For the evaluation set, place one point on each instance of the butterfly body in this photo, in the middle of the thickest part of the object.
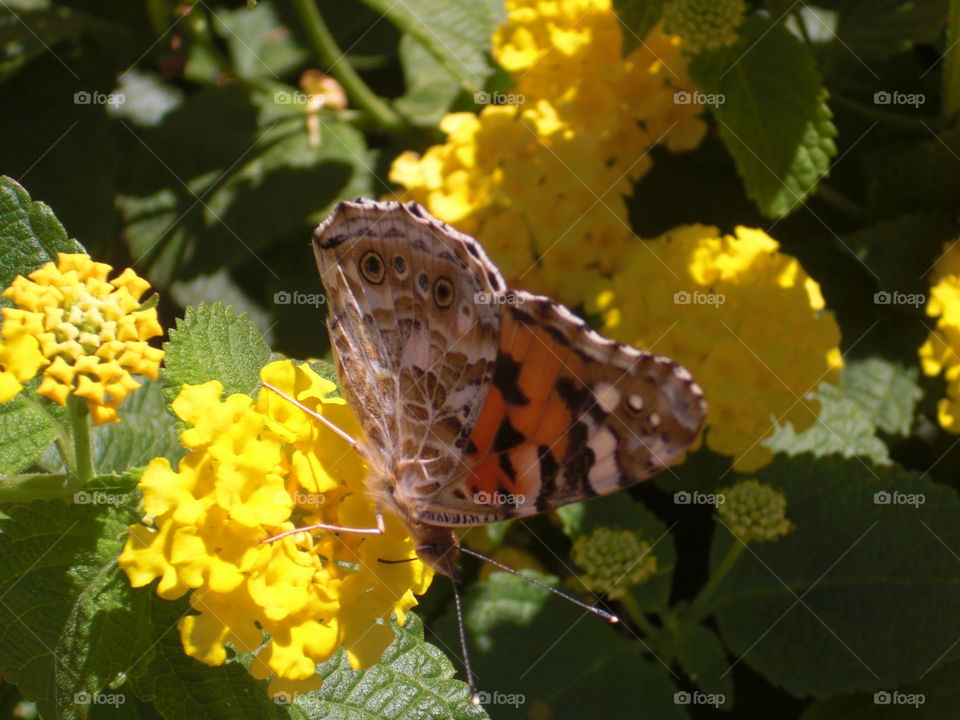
(480, 404)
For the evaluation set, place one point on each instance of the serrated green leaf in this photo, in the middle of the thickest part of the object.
(413, 679)
(637, 18)
(221, 286)
(877, 29)
(28, 424)
(842, 428)
(456, 34)
(702, 657)
(556, 660)
(619, 511)
(182, 687)
(30, 234)
(932, 697)
(430, 88)
(873, 557)
(886, 392)
(772, 113)
(69, 621)
(212, 342)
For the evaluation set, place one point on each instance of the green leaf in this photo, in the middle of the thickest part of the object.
(874, 562)
(69, 621)
(26, 35)
(554, 660)
(413, 679)
(181, 687)
(907, 177)
(886, 392)
(430, 88)
(877, 29)
(221, 286)
(637, 18)
(932, 697)
(212, 342)
(842, 428)
(772, 113)
(28, 424)
(30, 234)
(702, 657)
(456, 34)
(900, 250)
(619, 511)
(260, 45)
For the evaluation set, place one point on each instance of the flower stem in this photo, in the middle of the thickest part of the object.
(951, 68)
(83, 446)
(699, 608)
(327, 50)
(637, 615)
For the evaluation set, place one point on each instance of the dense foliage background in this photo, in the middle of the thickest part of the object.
(179, 139)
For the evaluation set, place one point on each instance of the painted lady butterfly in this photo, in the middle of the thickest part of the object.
(478, 403)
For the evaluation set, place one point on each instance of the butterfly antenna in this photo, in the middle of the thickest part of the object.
(351, 441)
(600, 612)
(474, 695)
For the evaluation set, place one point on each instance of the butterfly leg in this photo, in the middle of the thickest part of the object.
(380, 529)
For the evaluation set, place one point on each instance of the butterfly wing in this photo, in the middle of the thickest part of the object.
(569, 415)
(415, 350)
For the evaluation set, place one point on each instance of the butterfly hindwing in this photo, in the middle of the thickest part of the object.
(570, 415)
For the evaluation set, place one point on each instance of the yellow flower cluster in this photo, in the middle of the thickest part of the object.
(941, 351)
(86, 333)
(255, 469)
(705, 24)
(722, 305)
(540, 180)
(613, 560)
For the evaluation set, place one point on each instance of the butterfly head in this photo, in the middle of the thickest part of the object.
(438, 548)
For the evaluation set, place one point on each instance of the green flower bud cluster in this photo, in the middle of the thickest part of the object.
(754, 512)
(613, 560)
(704, 24)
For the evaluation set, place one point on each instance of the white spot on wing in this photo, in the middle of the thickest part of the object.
(604, 475)
(608, 397)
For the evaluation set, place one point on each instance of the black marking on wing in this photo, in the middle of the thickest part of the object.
(549, 468)
(506, 378)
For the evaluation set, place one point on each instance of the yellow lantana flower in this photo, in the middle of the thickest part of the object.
(255, 469)
(721, 305)
(941, 351)
(541, 183)
(86, 334)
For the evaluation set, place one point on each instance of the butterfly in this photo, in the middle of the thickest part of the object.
(479, 403)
